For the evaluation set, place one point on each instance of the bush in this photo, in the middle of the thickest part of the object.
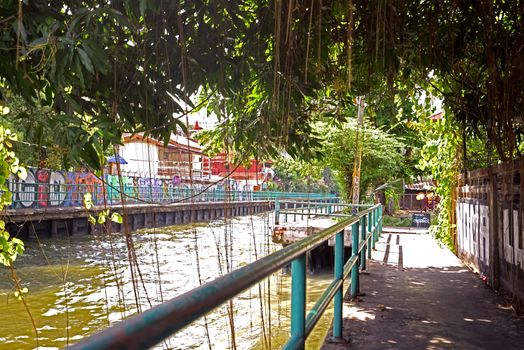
(389, 220)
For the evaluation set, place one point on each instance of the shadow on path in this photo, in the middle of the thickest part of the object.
(419, 296)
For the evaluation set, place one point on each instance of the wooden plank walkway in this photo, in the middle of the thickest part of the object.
(420, 296)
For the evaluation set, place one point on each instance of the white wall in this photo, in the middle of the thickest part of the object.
(473, 233)
(512, 253)
(141, 158)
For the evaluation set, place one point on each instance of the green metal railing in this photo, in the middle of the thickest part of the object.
(328, 207)
(156, 324)
(268, 195)
(39, 195)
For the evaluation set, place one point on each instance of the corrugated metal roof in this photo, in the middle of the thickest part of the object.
(421, 186)
(436, 116)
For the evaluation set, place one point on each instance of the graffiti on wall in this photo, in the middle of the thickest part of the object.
(48, 188)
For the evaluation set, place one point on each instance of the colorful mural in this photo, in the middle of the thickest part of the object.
(49, 188)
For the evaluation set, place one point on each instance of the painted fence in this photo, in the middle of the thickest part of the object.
(44, 188)
(490, 225)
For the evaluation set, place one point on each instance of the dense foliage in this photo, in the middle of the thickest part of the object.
(261, 66)
(442, 159)
(37, 143)
(10, 247)
(300, 176)
(382, 157)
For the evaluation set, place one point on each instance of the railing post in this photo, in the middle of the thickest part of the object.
(363, 237)
(338, 272)
(380, 222)
(285, 213)
(295, 211)
(376, 224)
(298, 298)
(111, 196)
(308, 210)
(374, 227)
(277, 212)
(372, 237)
(354, 251)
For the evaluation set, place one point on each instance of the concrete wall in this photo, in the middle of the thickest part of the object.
(41, 222)
(490, 235)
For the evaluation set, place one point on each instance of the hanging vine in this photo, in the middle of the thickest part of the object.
(11, 247)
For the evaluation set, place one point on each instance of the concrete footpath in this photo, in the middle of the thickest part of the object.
(420, 296)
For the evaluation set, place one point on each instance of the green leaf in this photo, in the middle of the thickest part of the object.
(90, 155)
(88, 201)
(78, 70)
(86, 61)
(22, 173)
(102, 218)
(116, 217)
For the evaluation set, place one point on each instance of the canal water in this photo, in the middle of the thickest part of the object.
(81, 285)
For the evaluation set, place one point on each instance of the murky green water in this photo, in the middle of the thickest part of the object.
(80, 286)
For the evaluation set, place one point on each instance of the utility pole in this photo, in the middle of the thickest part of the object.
(355, 186)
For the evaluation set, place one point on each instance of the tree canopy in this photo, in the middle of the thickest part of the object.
(382, 157)
(264, 67)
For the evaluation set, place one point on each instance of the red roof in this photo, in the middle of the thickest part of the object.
(176, 141)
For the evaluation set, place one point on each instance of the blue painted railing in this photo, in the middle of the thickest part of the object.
(156, 324)
(35, 194)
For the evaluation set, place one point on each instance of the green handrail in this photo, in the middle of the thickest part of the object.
(318, 207)
(156, 324)
(37, 195)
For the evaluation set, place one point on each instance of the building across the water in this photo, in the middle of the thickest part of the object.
(251, 176)
(183, 160)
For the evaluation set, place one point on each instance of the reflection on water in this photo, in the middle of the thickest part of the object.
(82, 285)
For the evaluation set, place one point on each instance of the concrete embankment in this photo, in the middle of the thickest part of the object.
(62, 221)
